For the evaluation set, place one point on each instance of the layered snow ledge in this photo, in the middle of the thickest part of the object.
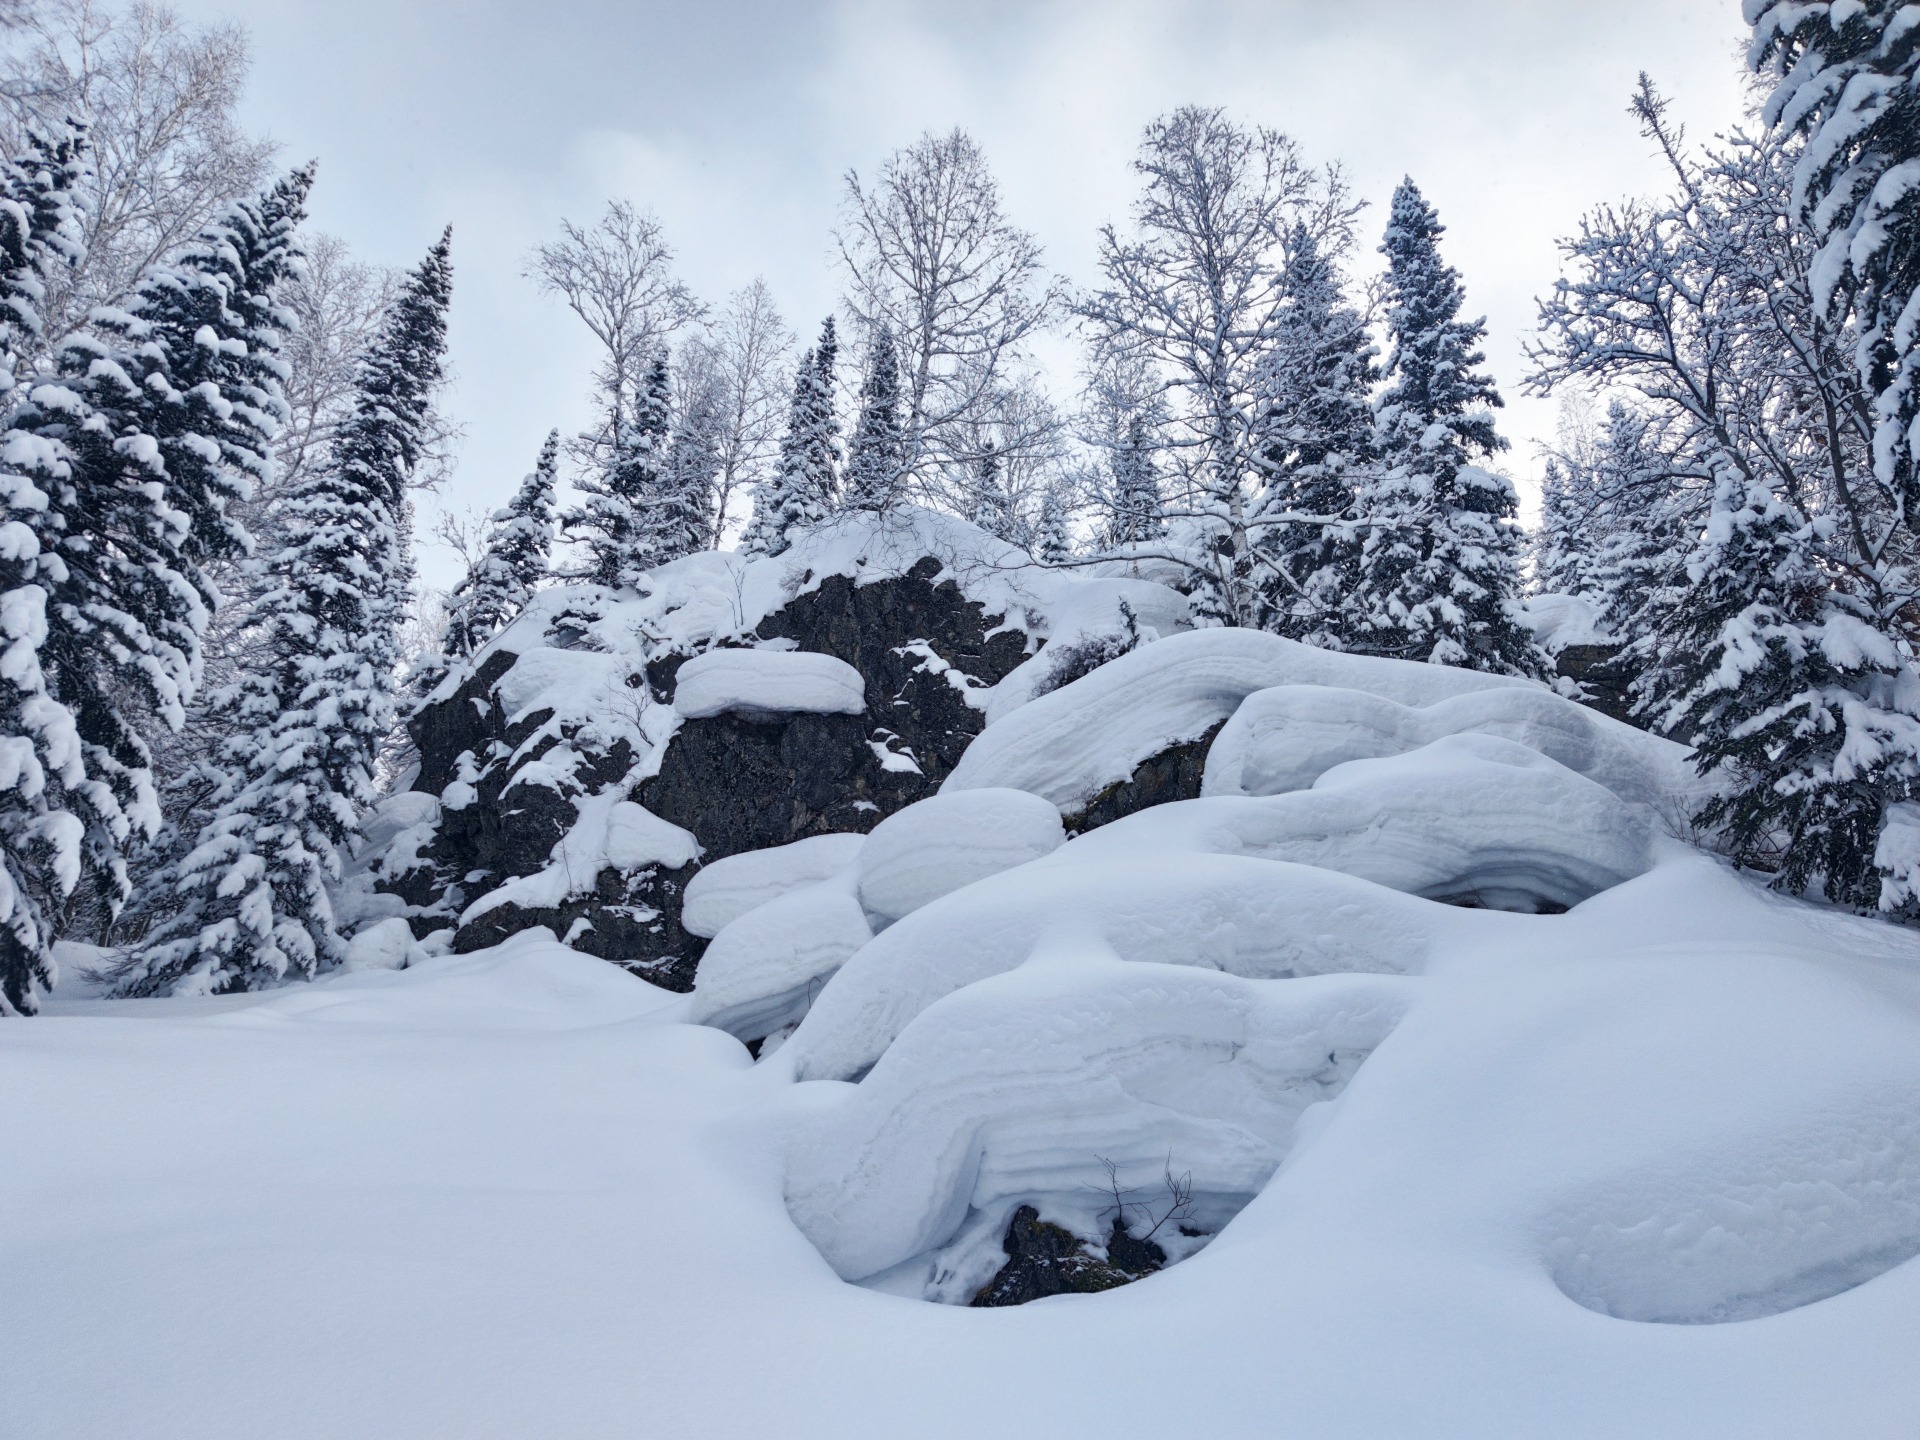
(767, 682)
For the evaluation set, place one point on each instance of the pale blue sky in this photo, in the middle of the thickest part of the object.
(734, 121)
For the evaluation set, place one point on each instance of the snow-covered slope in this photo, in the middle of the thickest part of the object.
(1419, 1075)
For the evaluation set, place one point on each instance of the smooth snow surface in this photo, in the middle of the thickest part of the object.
(1007, 1089)
(1288, 737)
(767, 682)
(945, 842)
(722, 892)
(511, 1194)
(1469, 817)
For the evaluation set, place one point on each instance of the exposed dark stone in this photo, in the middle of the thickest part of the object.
(1047, 1259)
(743, 783)
(466, 722)
(875, 627)
(632, 919)
(1602, 680)
(1173, 774)
(737, 782)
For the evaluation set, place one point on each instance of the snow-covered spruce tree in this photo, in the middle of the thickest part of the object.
(804, 487)
(634, 518)
(1564, 548)
(1785, 661)
(1438, 574)
(513, 565)
(247, 902)
(1643, 526)
(42, 778)
(1787, 685)
(693, 469)
(1850, 83)
(1316, 425)
(875, 459)
(989, 505)
(1052, 542)
(147, 428)
(1135, 515)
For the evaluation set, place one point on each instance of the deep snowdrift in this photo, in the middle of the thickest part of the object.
(1504, 1111)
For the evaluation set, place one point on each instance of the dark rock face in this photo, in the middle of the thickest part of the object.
(631, 918)
(919, 644)
(738, 782)
(1046, 1259)
(1603, 682)
(1173, 774)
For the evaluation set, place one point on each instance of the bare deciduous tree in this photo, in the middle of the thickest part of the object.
(617, 276)
(167, 154)
(930, 254)
(1196, 292)
(750, 349)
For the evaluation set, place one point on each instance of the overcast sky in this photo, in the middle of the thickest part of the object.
(733, 122)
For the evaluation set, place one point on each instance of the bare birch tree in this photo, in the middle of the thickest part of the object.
(617, 276)
(930, 254)
(749, 350)
(167, 154)
(1197, 292)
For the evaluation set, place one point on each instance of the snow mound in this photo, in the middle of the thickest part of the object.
(942, 843)
(1559, 621)
(1072, 743)
(767, 682)
(385, 945)
(1468, 818)
(1286, 738)
(728, 888)
(763, 969)
(1253, 918)
(1755, 1230)
(1029, 1081)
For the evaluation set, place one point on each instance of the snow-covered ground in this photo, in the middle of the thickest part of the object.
(512, 1194)
(1611, 1143)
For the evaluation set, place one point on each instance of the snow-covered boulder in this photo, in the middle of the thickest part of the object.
(1258, 919)
(1069, 745)
(763, 969)
(767, 682)
(386, 945)
(1286, 738)
(1023, 1084)
(1470, 818)
(730, 887)
(942, 843)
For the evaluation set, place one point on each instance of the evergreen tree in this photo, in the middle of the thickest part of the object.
(513, 565)
(1317, 428)
(1850, 83)
(988, 504)
(42, 778)
(689, 519)
(1136, 514)
(1783, 682)
(247, 904)
(804, 488)
(875, 456)
(620, 523)
(1565, 550)
(1053, 545)
(1438, 572)
(145, 431)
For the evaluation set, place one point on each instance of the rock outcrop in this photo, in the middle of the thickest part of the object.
(512, 783)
